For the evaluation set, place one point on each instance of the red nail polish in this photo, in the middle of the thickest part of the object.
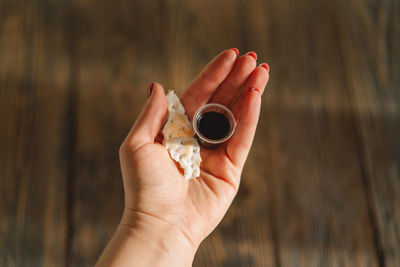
(150, 90)
(252, 54)
(265, 65)
(252, 89)
(236, 51)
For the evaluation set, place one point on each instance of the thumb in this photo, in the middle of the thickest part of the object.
(149, 122)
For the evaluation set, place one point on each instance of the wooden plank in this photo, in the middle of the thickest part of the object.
(375, 97)
(322, 212)
(379, 137)
(115, 65)
(34, 74)
(322, 215)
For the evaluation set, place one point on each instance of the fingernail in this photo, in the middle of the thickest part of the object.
(252, 54)
(252, 89)
(265, 65)
(236, 51)
(150, 90)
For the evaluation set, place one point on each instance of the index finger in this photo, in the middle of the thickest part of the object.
(204, 85)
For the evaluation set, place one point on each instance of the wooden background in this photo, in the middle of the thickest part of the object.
(322, 184)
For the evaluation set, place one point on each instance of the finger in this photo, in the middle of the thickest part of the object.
(204, 85)
(230, 88)
(257, 79)
(150, 120)
(239, 145)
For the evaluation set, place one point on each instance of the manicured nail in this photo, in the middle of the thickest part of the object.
(252, 54)
(150, 90)
(265, 65)
(236, 51)
(252, 89)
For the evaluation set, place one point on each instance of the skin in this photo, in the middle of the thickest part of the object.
(166, 217)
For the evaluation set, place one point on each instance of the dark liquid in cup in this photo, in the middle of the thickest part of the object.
(213, 125)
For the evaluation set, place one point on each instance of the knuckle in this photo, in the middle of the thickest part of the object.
(209, 77)
(262, 71)
(130, 146)
(122, 149)
(228, 53)
(126, 147)
(246, 60)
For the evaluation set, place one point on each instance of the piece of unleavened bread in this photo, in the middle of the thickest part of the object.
(179, 138)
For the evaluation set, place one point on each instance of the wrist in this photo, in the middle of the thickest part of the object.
(166, 235)
(145, 240)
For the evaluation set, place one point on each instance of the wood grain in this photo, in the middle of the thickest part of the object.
(322, 213)
(34, 75)
(373, 84)
(114, 67)
(321, 186)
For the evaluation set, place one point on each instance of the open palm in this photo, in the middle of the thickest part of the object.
(154, 187)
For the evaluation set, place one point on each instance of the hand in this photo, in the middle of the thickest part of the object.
(163, 209)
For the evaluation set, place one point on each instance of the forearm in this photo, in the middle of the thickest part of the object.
(147, 242)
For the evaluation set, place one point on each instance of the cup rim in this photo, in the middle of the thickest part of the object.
(213, 141)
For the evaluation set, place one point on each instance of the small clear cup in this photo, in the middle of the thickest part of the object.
(212, 143)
